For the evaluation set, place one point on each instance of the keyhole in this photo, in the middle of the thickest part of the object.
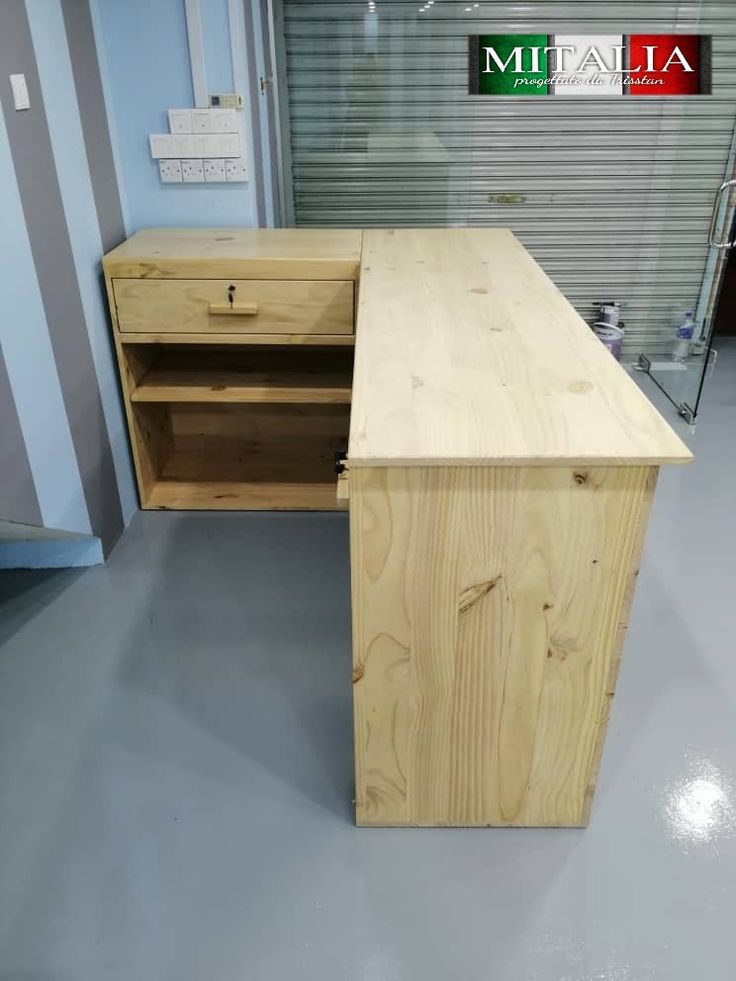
(230, 292)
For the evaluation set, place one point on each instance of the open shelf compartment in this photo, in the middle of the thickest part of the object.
(239, 456)
(238, 428)
(171, 373)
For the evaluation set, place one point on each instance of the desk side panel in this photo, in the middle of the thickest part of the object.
(488, 606)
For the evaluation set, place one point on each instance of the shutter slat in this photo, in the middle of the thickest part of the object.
(614, 195)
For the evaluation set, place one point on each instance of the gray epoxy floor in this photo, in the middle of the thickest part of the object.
(175, 771)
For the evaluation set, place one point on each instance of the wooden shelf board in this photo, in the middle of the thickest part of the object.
(173, 385)
(296, 340)
(208, 495)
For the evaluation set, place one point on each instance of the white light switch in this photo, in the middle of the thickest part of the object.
(180, 120)
(20, 92)
(201, 121)
(224, 121)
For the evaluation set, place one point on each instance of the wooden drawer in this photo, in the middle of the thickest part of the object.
(258, 306)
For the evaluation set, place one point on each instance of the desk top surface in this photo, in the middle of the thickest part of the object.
(467, 354)
(263, 253)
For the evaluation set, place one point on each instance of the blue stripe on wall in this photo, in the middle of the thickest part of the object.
(138, 33)
(67, 141)
(32, 369)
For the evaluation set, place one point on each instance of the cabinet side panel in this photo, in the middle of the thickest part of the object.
(618, 642)
(486, 613)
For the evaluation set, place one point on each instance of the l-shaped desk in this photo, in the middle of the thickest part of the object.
(499, 468)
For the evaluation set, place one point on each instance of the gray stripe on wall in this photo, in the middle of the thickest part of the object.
(255, 125)
(97, 142)
(38, 185)
(18, 499)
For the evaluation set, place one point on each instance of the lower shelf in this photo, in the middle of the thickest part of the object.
(216, 456)
(203, 495)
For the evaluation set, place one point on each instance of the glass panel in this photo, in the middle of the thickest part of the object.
(611, 195)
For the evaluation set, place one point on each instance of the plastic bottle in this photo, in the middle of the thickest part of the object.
(683, 338)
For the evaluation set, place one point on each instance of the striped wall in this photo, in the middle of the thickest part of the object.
(63, 444)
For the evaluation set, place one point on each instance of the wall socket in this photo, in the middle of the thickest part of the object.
(170, 171)
(192, 171)
(235, 170)
(214, 171)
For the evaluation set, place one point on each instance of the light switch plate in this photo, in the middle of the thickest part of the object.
(192, 171)
(201, 121)
(224, 121)
(180, 120)
(235, 170)
(214, 171)
(170, 171)
(20, 92)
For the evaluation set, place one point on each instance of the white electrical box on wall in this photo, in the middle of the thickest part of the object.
(235, 171)
(170, 171)
(202, 145)
(192, 172)
(186, 145)
(214, 171)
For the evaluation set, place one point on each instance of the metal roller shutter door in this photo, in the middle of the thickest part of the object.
(617, 193)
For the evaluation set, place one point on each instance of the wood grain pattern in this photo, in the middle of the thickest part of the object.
(247, 253)
(467, 354)
(190, 306)
(170, 385)
(487, 610)
(618, 643)
(213, 495)
(225, 456)
(255, 340)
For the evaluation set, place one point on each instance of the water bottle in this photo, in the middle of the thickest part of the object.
(683, 338)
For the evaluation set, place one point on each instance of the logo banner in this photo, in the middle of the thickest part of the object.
(589, 65)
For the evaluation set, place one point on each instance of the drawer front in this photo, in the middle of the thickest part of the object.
(237, 306)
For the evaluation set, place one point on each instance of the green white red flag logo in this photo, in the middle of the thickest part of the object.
(589, 65)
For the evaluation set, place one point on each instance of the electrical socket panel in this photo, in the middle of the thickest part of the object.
(192, 171)
(235, 170)
(170, 171)
(214, 171)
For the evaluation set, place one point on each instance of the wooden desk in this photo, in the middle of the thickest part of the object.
(500, 470)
